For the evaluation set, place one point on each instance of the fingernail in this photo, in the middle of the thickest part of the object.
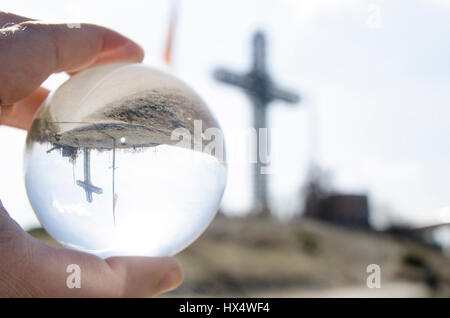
(171, 280)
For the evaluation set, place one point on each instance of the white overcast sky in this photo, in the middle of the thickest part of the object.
(374, 77)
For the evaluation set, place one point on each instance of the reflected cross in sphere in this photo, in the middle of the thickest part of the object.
(87, 185)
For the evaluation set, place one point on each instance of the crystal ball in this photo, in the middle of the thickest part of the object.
(123, 159)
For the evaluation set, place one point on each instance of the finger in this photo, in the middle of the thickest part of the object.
(8, 227)
(38, 270)
(124, 53)
(115, 277)
(2, 209)
(8, 19)
(146, 276)
(31, 51)
(21, 114)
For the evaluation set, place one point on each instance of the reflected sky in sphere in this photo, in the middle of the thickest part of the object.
(166, 196)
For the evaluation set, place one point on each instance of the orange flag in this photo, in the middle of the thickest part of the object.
(170, 33)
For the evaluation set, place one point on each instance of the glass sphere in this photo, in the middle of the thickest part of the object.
(118, 162)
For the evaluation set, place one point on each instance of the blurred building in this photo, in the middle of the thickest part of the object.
(324, 204)
(343, 209)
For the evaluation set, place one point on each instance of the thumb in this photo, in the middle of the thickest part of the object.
(7, 224)
(146, 276)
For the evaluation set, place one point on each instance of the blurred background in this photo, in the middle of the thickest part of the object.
(359, 170)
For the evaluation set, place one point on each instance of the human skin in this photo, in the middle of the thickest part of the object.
(30, 51)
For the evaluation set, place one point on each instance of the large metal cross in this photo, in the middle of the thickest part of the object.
(258, 85)
(87, 185)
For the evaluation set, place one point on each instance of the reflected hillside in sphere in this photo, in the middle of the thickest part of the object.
(106, 171)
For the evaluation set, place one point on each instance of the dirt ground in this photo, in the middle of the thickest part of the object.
(262, 257)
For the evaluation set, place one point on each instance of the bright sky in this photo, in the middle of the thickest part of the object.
(374, 77)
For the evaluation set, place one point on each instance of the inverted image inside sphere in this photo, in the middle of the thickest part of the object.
(104, 172)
